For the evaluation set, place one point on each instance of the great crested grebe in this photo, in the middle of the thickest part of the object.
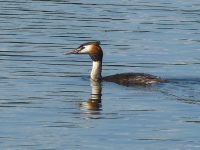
(128, 79)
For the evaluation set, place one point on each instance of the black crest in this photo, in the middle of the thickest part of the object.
(90, 43)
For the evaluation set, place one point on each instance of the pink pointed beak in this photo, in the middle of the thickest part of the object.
(76, 51)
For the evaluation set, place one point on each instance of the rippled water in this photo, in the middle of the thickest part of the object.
(47, 100)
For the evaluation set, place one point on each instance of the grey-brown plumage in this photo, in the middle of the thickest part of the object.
(131, 79)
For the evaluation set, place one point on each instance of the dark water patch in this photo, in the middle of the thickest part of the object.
(140, 110)
(7, 106)
(11, 51)
(16, 103)
(158, 139)
(193, 121)
(189, 100)
(29, 145)
(63, 124)
(184, 81)
(14, 55)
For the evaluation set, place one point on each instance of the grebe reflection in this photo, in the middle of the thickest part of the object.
(94, 102)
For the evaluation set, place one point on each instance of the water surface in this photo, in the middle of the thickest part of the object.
(45, 96)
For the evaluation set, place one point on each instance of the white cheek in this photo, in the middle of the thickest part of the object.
(86, 49)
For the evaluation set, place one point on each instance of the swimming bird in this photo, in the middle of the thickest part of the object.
(94, 50)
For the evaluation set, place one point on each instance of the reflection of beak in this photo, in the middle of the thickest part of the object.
(76, 51)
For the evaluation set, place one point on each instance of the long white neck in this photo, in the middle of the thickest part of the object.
(96, 71)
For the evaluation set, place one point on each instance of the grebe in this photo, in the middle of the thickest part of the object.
(128, 79)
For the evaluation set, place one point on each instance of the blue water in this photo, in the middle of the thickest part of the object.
(46, 96)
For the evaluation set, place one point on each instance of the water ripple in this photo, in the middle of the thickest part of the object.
(43, 92)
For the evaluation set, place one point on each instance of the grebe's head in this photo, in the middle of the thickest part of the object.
(91, 48)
